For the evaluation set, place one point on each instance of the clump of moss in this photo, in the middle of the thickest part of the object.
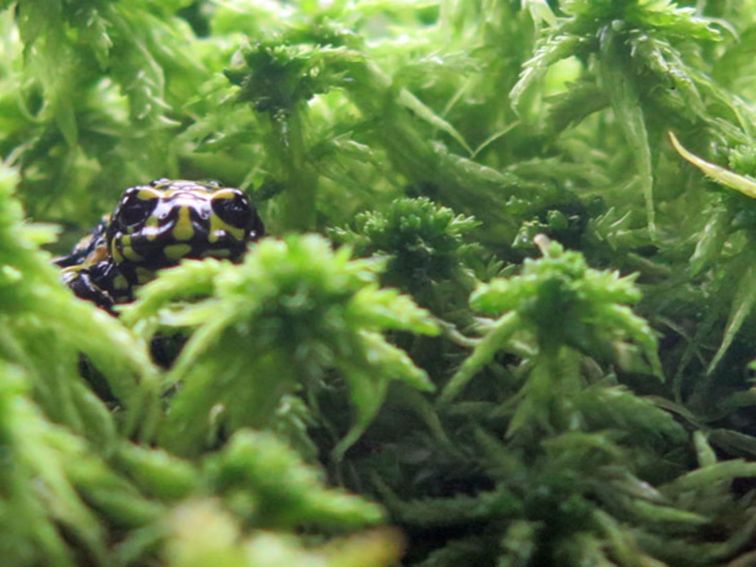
(508, 305)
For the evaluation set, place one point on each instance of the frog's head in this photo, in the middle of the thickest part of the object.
(157, 225)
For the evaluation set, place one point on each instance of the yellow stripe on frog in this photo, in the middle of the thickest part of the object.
(183, 230)
(147, 194)
(151, 228)
(120, 283)
(144, 275)
(128, 251)
(218, 225)
(177, 251)
(115, 253)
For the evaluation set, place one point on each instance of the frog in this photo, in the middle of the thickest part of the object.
(155, 226)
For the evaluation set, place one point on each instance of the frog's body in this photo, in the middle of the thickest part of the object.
(153, 227)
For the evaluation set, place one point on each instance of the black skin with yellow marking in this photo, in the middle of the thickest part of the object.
(153, 227)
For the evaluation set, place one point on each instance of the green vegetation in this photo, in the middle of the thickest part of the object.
(506, 316)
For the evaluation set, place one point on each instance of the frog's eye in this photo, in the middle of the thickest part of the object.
(232, 207)
(134, 208)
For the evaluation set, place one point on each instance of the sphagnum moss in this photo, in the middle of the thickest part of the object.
(530, 340)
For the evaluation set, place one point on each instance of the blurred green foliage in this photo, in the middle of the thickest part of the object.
(507, 315)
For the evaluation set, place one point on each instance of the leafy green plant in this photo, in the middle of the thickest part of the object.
(295, 309)
(505, 314)
(425, 247)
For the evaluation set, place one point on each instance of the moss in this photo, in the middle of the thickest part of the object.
(506, 315)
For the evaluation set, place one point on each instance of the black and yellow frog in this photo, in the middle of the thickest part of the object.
(153, 227)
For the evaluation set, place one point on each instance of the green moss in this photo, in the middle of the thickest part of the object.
(528, 341)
